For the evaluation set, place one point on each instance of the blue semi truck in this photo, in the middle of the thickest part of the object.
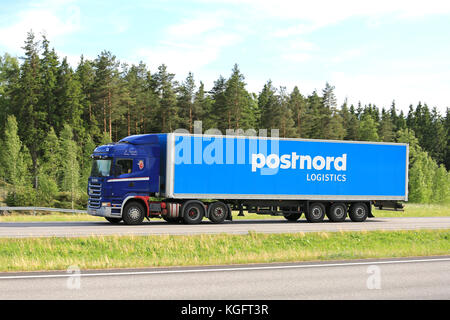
(188, 177)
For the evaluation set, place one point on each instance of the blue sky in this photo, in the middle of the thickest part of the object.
(373, 51)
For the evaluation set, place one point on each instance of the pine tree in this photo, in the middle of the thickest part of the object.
(219, 109)
(284, 115)
(28, 110)
(70, 166)
(313, 121)
(49, 73)
(51, 159)
(69, 109)
(106, 74)
(14, 157)
(268, 104)
(168, 115)
(9, 79)
(386, 127)
(368, 129)
(85, 75)
(435, 139)
(202, 107)
(352, 124)
(186, 102)
(237, 100)
(297, 104)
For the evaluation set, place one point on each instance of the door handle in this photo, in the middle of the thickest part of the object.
(131, 184)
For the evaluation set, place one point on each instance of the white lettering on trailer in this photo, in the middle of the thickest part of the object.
(289, 161)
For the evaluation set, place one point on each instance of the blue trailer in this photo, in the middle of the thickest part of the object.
(186, 177)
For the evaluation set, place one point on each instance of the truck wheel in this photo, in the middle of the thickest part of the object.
(114, 220)
(337, 212)
(193, 212)
(218, 212)
(293, 216)
(316, 212)
(133, 213)
(171, 219)
(358, 212)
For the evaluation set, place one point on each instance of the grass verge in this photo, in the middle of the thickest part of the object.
(47, 217)
(31, 254)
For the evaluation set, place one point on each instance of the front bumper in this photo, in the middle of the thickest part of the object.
(103, 212)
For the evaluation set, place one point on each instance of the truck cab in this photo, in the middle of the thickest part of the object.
(128, 169)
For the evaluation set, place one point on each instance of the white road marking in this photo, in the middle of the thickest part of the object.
(131, 273)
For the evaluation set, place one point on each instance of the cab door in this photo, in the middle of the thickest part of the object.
(130, 178)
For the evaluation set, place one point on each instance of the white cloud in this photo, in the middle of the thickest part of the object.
(347, 55)
(297, 57)
(405, 88)
(192, 44)
(196, 26)
(305, 16)
(182, 57)
(53, 18)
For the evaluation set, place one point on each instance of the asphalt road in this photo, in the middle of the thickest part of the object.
(74, 229)
(411, 278)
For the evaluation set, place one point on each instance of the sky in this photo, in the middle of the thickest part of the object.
(371, 51)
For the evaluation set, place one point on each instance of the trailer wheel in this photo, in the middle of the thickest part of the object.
(358, 212)
(218, 212)
(133, 213)
(193, 212)
(293, 216)
(337, 212)
(316, 212)
(114, 220)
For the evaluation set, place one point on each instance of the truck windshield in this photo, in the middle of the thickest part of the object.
(101, 168)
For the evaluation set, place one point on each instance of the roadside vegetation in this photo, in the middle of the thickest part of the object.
(99, 252)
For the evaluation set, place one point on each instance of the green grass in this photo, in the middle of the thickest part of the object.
(417, 210)
(54, 216)
(31, 254)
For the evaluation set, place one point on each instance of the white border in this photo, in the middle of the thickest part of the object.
(170, 173)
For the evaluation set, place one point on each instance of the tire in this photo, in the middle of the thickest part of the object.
(316, 212)
(218, 212)
(133, 213)
(171, 219)
(337, 212)
(358, 212)
(114, 220)
(292, 216)
(193, 212)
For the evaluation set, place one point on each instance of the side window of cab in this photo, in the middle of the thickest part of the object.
(125, 166)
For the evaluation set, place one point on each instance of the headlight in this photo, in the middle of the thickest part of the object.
(106, 204)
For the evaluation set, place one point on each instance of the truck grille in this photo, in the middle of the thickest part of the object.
(95, 194)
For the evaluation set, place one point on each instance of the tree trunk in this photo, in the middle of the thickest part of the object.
(104, 115)
(128, 122)
(110, 112)
(190, 119)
